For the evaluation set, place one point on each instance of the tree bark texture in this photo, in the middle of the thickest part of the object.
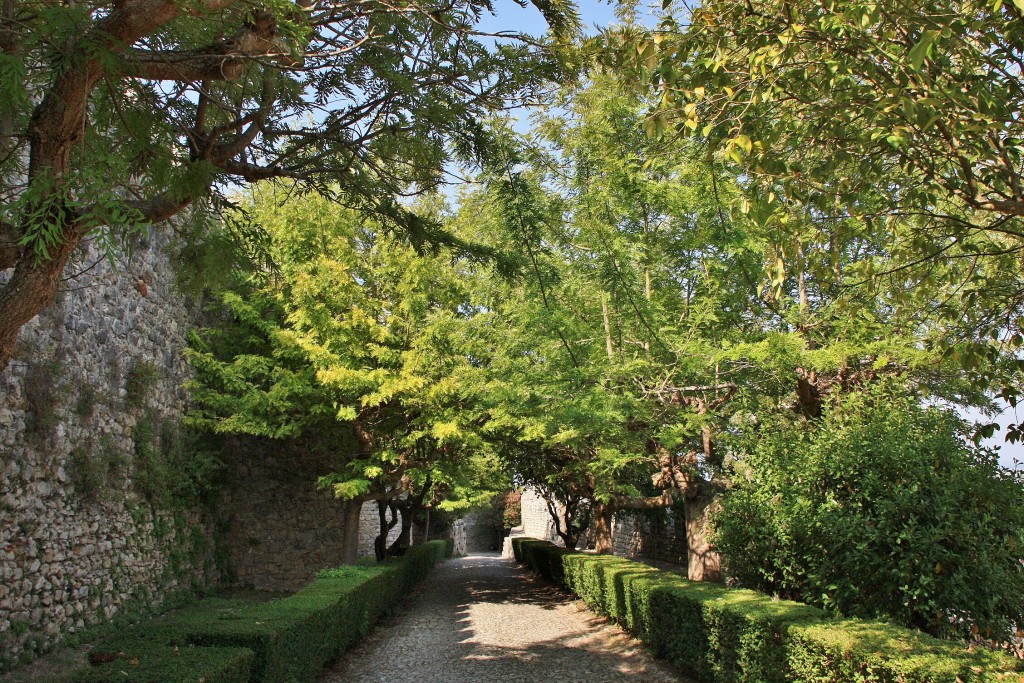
(380, 543)
(703, 562)
(604, 514)
(350, 545)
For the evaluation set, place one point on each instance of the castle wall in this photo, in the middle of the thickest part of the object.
(90, 413)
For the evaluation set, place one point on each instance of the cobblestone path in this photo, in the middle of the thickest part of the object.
(481, 618)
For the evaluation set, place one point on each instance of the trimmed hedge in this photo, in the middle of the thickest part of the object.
(285, 640)
(728, 635)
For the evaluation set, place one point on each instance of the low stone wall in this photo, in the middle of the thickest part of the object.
(651, 535)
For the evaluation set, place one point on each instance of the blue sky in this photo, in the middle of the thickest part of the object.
(511, 17)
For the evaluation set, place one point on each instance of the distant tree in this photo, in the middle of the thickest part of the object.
(118, 117)
(346, 335)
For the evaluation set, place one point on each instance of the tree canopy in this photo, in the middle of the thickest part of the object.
(736, 266)
(116, 118)
(892, 121)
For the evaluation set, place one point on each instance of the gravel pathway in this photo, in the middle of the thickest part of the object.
(481, 618)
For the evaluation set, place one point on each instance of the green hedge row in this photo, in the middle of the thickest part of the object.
(729, 635)
(281, 641)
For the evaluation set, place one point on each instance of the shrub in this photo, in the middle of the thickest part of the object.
(730, 635)
(141, 378)
(870, 652)
(289, 639)
(883, 510)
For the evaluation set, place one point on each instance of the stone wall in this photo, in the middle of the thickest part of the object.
(481, 535)
(88, 407)
(277, 529)
(652, 535)
(459, 537)
(537, 522)
(474, 533)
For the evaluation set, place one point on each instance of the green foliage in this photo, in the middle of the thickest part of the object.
(156, 662)
(140, 381)
(42, 394)
(888, 125)
(96, 468)
(401, 121)
(209, 255)
(289, 639)
(884, 509)
(644, 329)
(85, 403)
(870, 652)
(351, 338)
(729, 635)
(174, 466)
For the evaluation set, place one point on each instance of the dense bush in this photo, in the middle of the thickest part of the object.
(290, 639)
(882, 510)
(729, 635)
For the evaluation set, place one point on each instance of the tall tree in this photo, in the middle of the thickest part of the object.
(118, 117)
(894, 120)
(346, 335)
(652, 318)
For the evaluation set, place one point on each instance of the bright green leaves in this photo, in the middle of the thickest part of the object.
(924, 48)
(351, 333)
(344, 489)
(879, 150)
(656, 124)
(563, 18)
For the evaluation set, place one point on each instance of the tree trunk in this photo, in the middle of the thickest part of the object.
(350, 543)
(380, 543)
(571, 516)
(404, 540)
(603, 516)
(703, 562)
(32, 287)
(408, 508)
(58, 123)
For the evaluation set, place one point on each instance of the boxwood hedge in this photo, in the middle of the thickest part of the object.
(729, 635)
(281, 641)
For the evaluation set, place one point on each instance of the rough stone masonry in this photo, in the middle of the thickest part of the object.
(77, 542)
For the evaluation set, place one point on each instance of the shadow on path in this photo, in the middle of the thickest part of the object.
(481, 618)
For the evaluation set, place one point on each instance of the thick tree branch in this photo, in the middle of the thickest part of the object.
(224, 61)
(10, 248)
(184, 66)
